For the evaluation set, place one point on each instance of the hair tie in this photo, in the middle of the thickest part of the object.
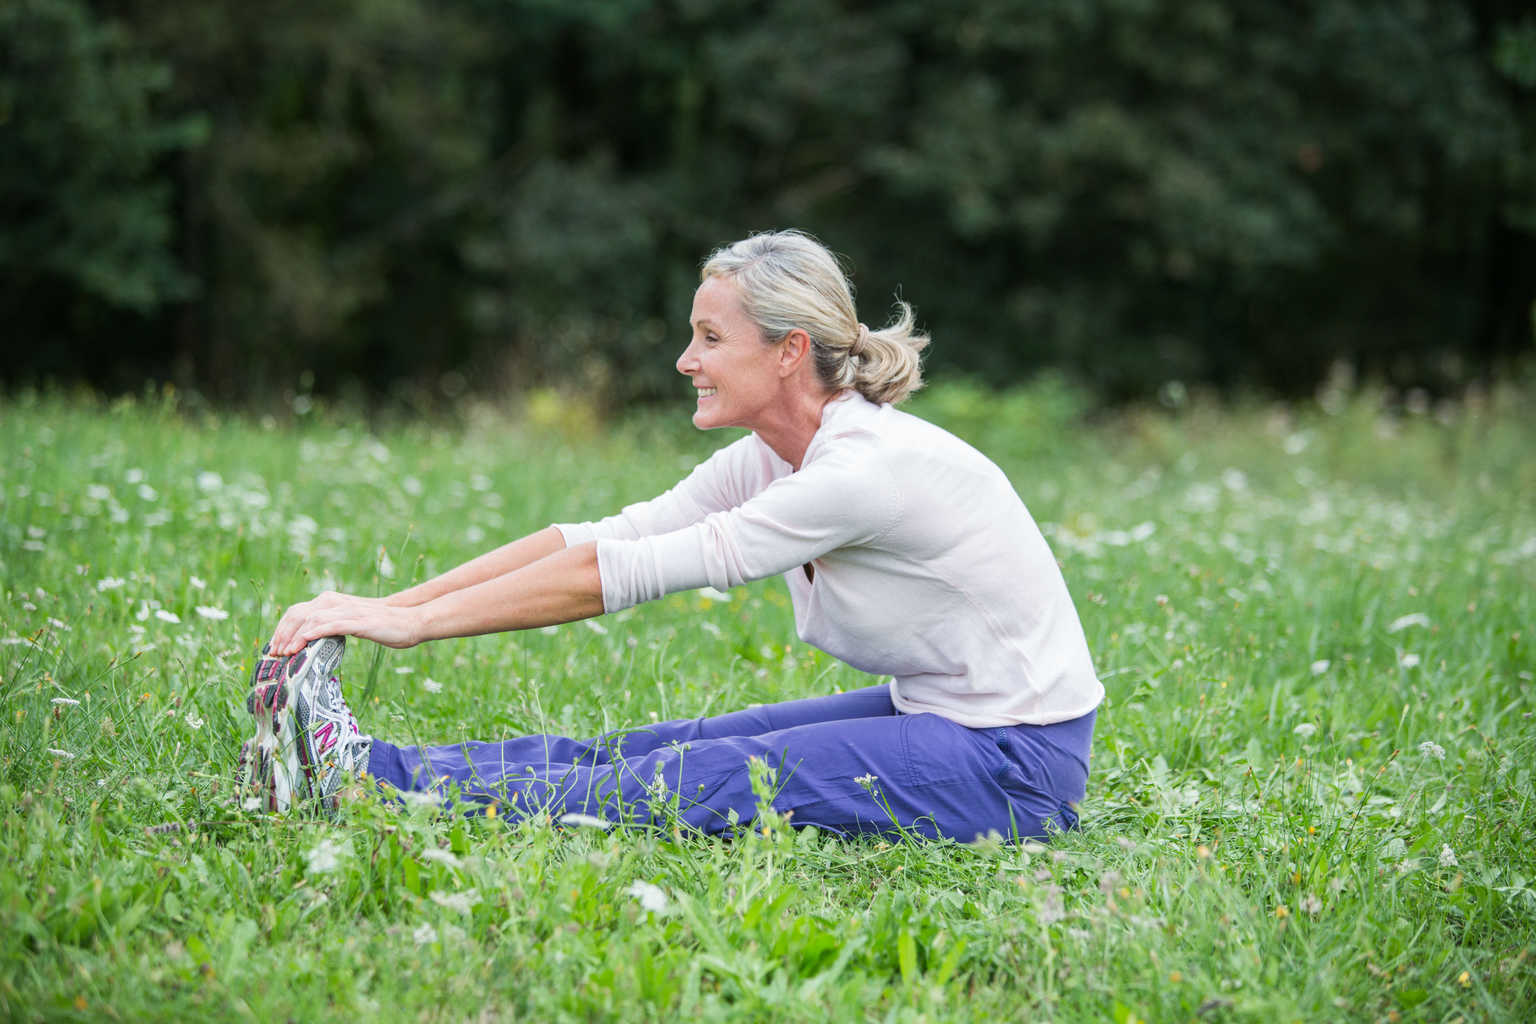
(860, 342)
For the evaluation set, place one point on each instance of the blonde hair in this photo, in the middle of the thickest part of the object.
(789, 280)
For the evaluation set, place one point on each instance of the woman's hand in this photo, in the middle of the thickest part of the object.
(333, 614)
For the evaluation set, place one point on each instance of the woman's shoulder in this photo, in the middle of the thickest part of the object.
(887, 433)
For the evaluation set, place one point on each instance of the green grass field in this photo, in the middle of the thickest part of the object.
(1312, 795)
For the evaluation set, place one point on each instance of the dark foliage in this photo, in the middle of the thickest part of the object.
(496, 193)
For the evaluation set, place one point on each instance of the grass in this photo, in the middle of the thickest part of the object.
(1312, 793)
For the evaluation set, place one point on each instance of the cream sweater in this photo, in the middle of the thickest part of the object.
(928, 567)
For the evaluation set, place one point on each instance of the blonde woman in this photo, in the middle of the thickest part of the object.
(906, 552)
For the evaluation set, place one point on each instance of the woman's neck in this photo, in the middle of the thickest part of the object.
(790, 430)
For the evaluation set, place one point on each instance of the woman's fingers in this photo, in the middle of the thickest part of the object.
(345, 615)
(296, 627)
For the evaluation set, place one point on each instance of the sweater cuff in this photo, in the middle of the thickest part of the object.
(576, 533)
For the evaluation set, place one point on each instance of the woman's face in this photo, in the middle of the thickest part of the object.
(736, 374)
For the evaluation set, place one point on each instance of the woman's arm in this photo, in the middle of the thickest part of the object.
(505, 559)
(560, 587)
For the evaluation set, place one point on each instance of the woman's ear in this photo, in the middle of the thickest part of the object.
(794, 348)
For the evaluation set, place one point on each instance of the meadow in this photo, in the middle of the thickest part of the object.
(1311, 797)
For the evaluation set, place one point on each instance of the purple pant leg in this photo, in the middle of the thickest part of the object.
(929, 776)
(409, 768)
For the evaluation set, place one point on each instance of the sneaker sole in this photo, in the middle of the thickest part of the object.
(273, 764)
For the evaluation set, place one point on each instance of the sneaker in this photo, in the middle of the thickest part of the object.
(307, 744)
(254, 781)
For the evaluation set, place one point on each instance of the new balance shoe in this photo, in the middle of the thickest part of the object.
(307, 744)
(332, 750)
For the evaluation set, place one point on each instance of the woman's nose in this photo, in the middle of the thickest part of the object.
(686, 362)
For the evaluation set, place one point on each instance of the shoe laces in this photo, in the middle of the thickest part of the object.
(351, 718)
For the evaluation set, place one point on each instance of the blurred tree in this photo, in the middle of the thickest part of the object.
(348, 145)
(501, 193)
(86, 221)
(1228, 192)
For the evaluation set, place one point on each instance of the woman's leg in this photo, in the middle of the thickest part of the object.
(866, 702)
(874, 773)
(413, 768)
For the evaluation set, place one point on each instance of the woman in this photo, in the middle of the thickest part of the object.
(907, 554)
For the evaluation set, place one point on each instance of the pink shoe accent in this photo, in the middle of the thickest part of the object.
(325, 737)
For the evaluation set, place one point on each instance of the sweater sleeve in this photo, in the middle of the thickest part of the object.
(837, 501)
(725, 479)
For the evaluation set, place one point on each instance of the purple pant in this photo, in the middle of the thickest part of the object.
(936, 778)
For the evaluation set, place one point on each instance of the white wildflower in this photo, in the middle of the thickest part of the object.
(576, 820)
(148, 493)
(386, 567)
(197, 582)
(65, 701)
(711, 628)
(1429, 748)
(165, 616)
(651, 897)
(867, 780)
(194, 720)
(1305, 729)
(33, 545)
(431, 685)
(107, 583)
(1320, 666)
(208, 611)
(403, 670)
(1403, 622)
(424, 935)
(36, 532)
(412, 486)
(595, 626)
(56, 752)
(462, 902)
(97, 492)
(442, 857)
(1447, 856)
(1408, 660)
(58, 624)
(419, 798)
(1310, 904)
(134, 476)
(326, 856)
(208, 480)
